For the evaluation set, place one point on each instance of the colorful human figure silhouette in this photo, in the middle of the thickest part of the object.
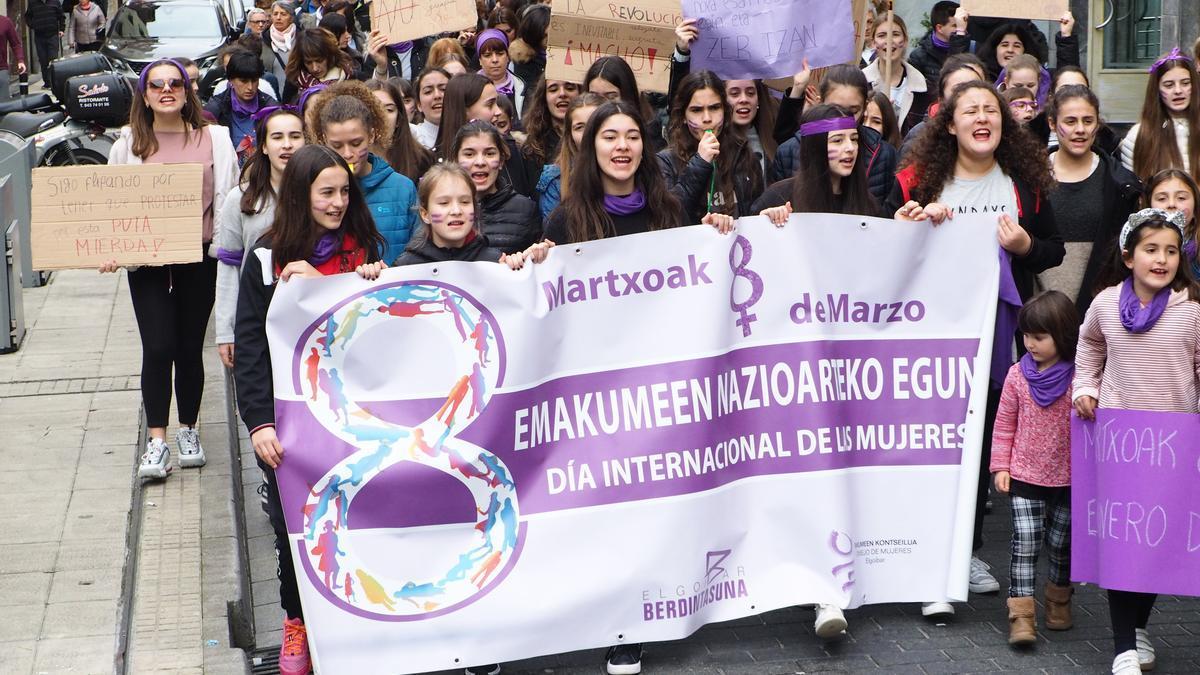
(337, 396)
(420, 444)
(489, 566)
(329, 329)
(468, 468)
(350, 323)
(367, 434)
(492, 462)
(492, 511)
(359, 469)
(478, 389)
(327, 549)
(312, 364)
(480, 335)
(459, 572)
(455, 398)
(405, 310)
(348, 588)
(374, 590)
(452, 307)
(331, 492)
(508, 516)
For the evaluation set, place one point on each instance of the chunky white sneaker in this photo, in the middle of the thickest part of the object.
(830, 622)
(1126, 663)
(1145, 649)
(981, 580)
(937, 609)
(190, 453)
(156, 460)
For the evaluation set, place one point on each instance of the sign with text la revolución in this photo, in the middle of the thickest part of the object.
(768, 426)
(642, 33)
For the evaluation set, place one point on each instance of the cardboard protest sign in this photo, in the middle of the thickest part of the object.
(404, 20)
(1135, 510)
(1018, 9)
(147, 214)
(771, 38)
(642, 33)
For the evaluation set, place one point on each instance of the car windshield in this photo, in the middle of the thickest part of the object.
(166, 20)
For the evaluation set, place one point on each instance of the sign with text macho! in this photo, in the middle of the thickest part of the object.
(404, 20)
(1018, 9)
(1135, 510)
(771, 428)
(146, 214)
(642, 33)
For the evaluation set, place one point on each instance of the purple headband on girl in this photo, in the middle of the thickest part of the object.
(187, 81)
(272, 109)
(1175, 55)
(827, 125)
(490, 34)
(320, 86)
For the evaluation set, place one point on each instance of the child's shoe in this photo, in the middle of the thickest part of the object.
(1058, 607)
(1022, 621)
(293, 654)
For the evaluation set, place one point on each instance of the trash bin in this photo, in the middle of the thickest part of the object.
(17, 159)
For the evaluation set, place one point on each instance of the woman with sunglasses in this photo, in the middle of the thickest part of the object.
(172, 303)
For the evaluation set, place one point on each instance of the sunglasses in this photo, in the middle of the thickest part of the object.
(168, 84)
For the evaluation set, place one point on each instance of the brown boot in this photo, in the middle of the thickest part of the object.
(1058, 606)
(1022, 621)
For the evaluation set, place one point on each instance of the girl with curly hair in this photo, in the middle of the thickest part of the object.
(973, 157)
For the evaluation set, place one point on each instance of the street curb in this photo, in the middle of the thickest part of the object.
(241, 611)
(133, 533)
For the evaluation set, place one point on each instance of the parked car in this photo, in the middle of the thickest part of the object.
(144, 31)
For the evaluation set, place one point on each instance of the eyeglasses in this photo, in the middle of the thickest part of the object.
(168, 84)
(260, 22)
(1023, 105)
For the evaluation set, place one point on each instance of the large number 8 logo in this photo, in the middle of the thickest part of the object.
(327, 547)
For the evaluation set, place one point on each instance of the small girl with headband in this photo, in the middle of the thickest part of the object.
(1167, 136)
(1139, 348)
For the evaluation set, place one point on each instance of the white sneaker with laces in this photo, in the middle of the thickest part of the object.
(981, 580)
(830, 622)
(937, 609)
(156, 460)
(190, 453)
(1126, 663)
(1145, 649)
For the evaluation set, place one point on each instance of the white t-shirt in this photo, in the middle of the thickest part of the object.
(992, 194)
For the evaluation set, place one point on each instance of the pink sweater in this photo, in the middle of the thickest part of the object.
(1031, 442)
(1155, 370)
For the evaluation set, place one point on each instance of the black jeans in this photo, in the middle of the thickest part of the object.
(985, 461)
(172, 304)
(289, 591)
(47, 50)
(1128, 612)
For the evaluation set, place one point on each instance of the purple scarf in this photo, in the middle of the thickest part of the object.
(401, 47)
(326, 246)
(938, 42)
(627, 205)
(1047, 386)
(1008, 304)
(1134, 317)
(232, 258)
(507, 87)
(243, 108)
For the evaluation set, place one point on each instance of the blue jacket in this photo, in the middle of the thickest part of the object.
(392, 198)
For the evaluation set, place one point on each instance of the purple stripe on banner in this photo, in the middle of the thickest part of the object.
(661, 450)
(1135, 509)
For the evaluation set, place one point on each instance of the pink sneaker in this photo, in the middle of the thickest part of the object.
(293, 655)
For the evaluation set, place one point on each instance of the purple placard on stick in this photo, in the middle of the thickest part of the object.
(770, 39)
(1135, 507)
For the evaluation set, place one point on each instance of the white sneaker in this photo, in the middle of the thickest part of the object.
(156, 460)
(937, 609)
(981, 580)
(830, 622)
(1126, 663)
(190, 453)
(1145, 649)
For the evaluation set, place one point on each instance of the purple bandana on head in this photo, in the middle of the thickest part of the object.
(827, 125)
(1175, 55)
(326, 246)
(625, 205)
(304, 95)
(267, 111)
(489, 34)
(1047, 386)
(1135, 317)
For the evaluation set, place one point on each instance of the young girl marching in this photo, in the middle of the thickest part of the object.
(1139, 349)
(249, 210)
(553, 183)
(511, 221)
(322, 226)
(450, 228)
(1031, 461)
(172, 303)
(1173, 190)
(404, 154)
(1168, 134)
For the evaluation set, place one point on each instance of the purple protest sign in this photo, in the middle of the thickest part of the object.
(1135, 510)
(770, 38)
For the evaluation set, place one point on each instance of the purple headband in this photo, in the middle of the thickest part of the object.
(266, 112)
(1175, 55)
(187, 81)
(490, 34)
(827, 125)
(320, 86)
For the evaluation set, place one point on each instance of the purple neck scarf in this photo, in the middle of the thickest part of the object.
(938, 42)
(627, 205)
(1047, 386)
(401, 47)
(505, 88)
(1008, 304)
(326, 246)
(244, 108)
(1135, 317)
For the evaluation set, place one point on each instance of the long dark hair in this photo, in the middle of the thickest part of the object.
(891, 126)
(256, 173)
(541, 129)
(1156, 147)
(584, 204)
(462, 92)
(935, 151)
(764, 121)
(614, 70)
(1116, 272)
(141, 116)
(316, 43)
(404, 154)
(987, 50)
(1053, 314)
(736, 158)
(812, 186)
(294, 233)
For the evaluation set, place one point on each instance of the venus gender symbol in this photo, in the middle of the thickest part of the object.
(328, 544)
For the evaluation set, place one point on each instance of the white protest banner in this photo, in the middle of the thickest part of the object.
(642, 33)
(1018, 9)
(146, 214)
(770, 39)
(404, 20)
(635, 438)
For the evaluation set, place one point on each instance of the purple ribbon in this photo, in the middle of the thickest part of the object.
(231, 258)
(1047, 386)
(1008, 305)
(827, 125)
(326, 246)
(1175, 55)
(625, 205)
(263, 113)
(1135, 317)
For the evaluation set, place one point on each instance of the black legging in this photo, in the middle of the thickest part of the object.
(985, 461)
(172, 304)
(289, 591)
(1128, 612)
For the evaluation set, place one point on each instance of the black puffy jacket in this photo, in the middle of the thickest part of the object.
(422, 250)
(880, 156)
(511, 221)
(690, 182)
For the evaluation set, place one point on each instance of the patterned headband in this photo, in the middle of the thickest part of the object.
(1140, 218)
(1175, 55)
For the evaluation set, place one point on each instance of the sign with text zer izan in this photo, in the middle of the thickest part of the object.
(149, 214)
(1018, 9)
(642, 33)
(404, 20)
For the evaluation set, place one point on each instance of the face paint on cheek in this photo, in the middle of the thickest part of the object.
(436, 219)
